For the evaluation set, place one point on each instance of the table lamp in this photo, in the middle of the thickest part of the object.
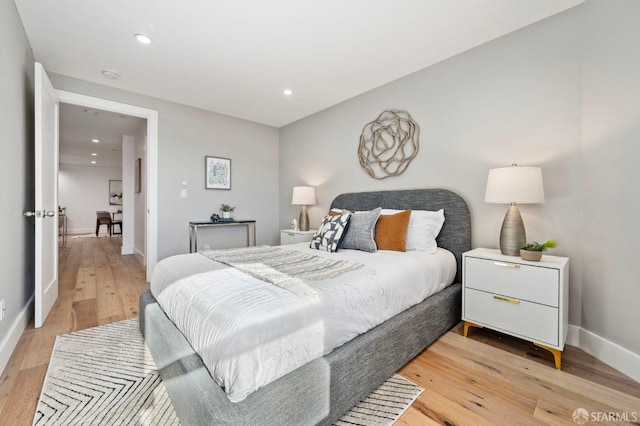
(511, 185)
(303, 196)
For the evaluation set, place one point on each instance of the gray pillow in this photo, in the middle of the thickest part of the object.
(361, 232)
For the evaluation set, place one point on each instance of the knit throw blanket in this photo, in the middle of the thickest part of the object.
(284, 268)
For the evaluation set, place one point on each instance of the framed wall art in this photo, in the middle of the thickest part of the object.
(217, 173)
(115, 192)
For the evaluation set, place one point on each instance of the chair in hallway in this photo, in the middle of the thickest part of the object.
(116, 222)
(103, 218)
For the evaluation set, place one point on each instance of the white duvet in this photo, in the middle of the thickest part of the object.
(249, 332)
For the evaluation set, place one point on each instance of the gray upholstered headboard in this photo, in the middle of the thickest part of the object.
(455, 235)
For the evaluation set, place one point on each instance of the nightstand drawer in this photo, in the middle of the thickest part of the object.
(513, 279)
(295, 237)
(532, 321)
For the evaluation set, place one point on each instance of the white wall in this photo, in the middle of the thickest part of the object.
(128, 205)
(140, 198)
(611, 152)
(83, 190)
(186, 136)
(17, 174)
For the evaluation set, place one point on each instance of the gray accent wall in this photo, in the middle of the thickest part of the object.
(513, 100)
(17, 175)
(562, 94)
(186, 135)
(611, 174)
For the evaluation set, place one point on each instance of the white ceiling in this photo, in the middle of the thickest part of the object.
(237, 57)
(79, 125)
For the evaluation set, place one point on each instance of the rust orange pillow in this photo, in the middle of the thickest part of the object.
(391, 231)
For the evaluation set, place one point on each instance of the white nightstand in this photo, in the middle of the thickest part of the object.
(289, 236)
(528, 300)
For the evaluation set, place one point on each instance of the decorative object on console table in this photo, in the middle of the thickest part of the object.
(511, 185)
(226, 210)
(290, 236)
(217, 173)
(388, 144)
(528, 300)
(533, 251)
(303, 196)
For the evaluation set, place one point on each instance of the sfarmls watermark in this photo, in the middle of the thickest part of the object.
(582, 416)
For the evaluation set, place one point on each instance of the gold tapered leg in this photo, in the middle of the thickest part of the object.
(468, 324)
(557, 354)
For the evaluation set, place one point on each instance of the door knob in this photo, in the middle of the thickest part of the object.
(29, 214)
(49, 213)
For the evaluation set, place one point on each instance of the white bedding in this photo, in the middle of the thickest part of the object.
(249, 332)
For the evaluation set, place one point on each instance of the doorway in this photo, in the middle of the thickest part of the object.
(151, 162)
(97, 149)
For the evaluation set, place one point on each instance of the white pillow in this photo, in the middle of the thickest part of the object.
(424, 227)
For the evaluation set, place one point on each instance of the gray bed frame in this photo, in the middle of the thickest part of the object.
(324, 389)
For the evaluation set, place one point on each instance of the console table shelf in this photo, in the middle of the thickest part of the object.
(194, 225)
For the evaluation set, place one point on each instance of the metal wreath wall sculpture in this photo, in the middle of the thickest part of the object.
(388, 144)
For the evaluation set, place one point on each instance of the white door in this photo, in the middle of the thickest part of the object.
(46, 195)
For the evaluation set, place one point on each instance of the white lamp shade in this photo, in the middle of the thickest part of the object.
(303, 196)
(515, 184)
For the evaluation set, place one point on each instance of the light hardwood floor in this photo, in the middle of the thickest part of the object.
(487, 378)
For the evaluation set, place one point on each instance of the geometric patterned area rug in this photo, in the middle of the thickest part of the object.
(106, 376)
(384, 405)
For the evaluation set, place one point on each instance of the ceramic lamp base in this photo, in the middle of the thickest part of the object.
(512, 234)
(303, 220)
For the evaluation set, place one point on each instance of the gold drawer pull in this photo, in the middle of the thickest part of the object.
(507, 265)
(506, 299)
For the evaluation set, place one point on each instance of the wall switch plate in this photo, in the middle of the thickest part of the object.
(1, 309)
(183, 193)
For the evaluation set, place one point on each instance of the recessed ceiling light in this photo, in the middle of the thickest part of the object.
(288, 92)
(95, 140)
(94, 154)
(93, 162)
(143, 38)
(110, 74)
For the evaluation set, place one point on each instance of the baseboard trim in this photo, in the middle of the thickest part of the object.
(140, 256)
(612, 354)
(573, 335)
(10, 342)
(127, 250)
(78, 231)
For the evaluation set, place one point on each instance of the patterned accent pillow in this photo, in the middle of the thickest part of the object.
(361, 232)
(330, 232)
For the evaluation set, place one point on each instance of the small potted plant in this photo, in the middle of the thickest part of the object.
(226, 211)
(533, 251)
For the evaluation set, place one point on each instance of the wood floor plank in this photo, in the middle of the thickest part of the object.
(85, 283)
(413, 417)
(9, 378)
(537, 376)
(490, 396)
(20, 406)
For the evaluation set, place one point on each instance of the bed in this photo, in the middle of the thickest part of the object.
(320, 391)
